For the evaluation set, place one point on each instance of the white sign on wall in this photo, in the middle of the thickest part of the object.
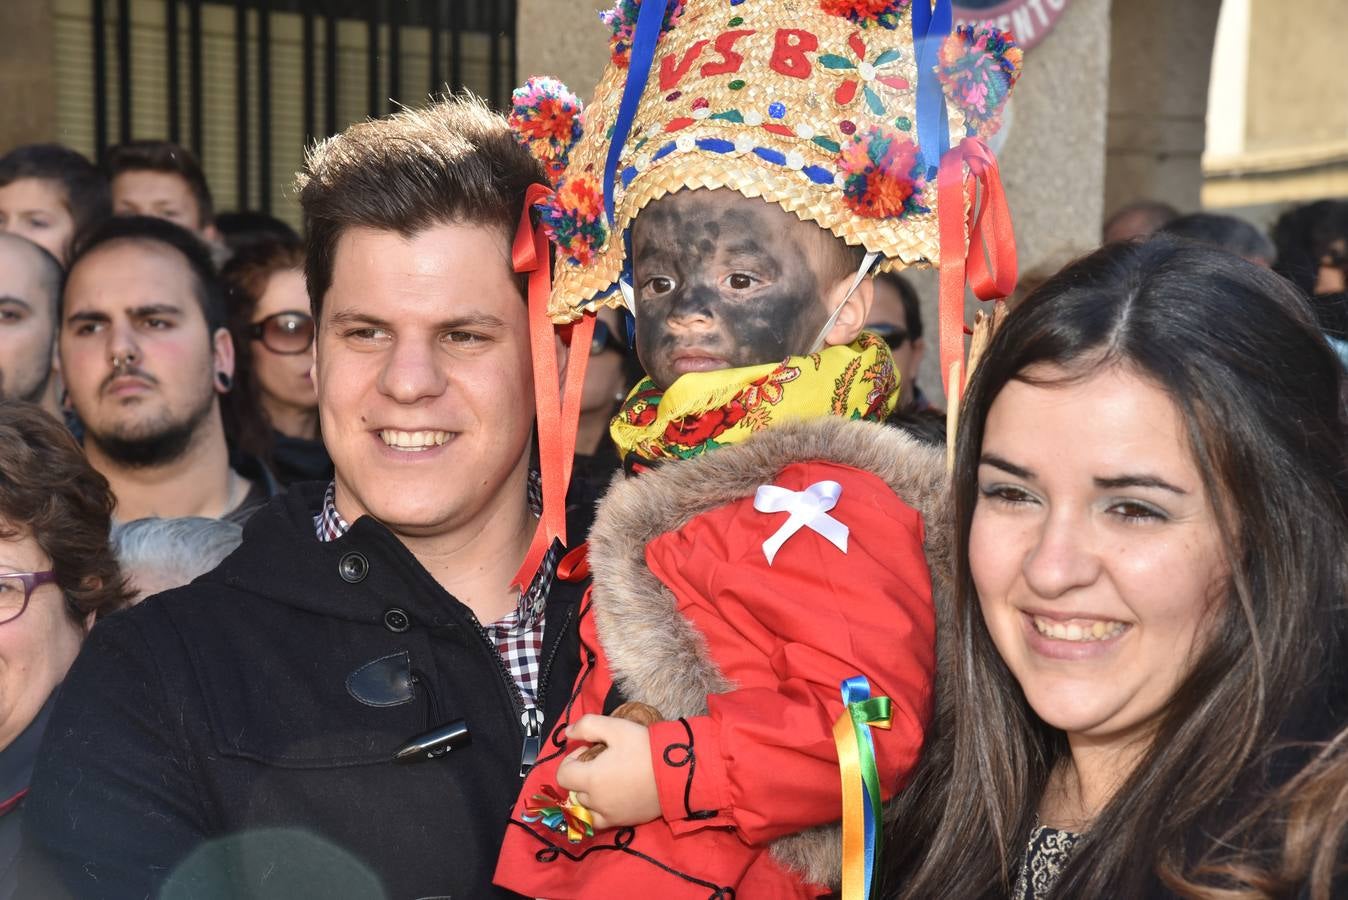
(1029, 20)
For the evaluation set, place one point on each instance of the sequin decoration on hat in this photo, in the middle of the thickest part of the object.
(546, 117)
(808, 104)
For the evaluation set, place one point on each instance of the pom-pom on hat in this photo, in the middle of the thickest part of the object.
(979, 66)
(546, 117)
(622, 22)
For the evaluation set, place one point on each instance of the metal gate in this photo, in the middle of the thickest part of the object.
(411, 49)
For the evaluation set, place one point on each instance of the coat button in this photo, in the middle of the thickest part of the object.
(396, 620)
(353, 567)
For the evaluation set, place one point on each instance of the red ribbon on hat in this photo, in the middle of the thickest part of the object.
(557, 407)
(981, 245)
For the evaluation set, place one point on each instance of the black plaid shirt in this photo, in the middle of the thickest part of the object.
(518, 635)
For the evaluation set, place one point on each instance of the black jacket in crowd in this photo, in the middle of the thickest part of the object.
(236, 737)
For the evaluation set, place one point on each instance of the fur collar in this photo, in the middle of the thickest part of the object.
(656, 654)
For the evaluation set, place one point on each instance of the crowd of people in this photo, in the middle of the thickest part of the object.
(533, 523)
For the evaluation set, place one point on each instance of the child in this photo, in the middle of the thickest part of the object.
(770, 161)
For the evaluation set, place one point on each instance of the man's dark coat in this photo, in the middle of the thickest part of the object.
(236, 737)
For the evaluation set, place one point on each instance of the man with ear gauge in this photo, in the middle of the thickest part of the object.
(146, 358)
(771, 539)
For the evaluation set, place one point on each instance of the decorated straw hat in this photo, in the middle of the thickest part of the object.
(867, 117)
(839, 111)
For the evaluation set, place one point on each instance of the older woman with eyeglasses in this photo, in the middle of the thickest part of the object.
(57, 574)
(274, 411)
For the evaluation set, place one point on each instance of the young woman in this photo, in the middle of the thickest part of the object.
(1151, 502)
(273, 408)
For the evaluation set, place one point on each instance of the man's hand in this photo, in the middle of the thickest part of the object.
(618, 785)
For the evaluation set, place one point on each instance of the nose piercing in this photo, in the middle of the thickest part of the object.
(120, 361)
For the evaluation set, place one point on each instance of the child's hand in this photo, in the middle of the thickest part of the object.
(618, 785)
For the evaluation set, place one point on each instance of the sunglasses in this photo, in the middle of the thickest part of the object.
(16, 588)
(605, 339)
(287, 333)
(892, 335)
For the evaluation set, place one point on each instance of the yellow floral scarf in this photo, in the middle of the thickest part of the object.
(705, 410)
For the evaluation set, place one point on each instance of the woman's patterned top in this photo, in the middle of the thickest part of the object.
(1046, 855)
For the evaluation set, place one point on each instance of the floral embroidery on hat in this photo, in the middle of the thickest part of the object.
(867, 75)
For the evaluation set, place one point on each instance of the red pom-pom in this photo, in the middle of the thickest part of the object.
(574, 219)
(884, 13)
(546, 118)
(884, 175)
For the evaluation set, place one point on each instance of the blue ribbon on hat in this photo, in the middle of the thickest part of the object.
(650, 24)
(930, 29)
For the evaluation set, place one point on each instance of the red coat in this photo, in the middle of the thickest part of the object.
(755, 652)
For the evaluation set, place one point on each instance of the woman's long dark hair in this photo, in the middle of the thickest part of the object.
(1236, 349)
(1302, 831)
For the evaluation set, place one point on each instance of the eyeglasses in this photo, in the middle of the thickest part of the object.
(605, 339)
(892, 335)
(287, 333)
(16, 588)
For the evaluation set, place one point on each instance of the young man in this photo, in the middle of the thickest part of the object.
(342, 708)
(50, 193)
(145, 358)
(769, 546)
(162, 179)
(30, 293)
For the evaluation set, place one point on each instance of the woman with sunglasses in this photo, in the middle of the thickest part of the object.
(612, 371)
(57, 573)
(1147, 636)
(275, 409)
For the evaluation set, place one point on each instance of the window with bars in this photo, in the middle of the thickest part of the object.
(247, 84)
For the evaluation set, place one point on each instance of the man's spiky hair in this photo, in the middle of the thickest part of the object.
(454, 161)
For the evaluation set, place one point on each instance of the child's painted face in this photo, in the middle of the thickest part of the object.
(724, 281)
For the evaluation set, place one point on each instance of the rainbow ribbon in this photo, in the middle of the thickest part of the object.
(863, 836)
(558, 813)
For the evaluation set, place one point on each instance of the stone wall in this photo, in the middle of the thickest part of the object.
(562, 38)
(1297, 90)
(1158, 98)
(28, 113)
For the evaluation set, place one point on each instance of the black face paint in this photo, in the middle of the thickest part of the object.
(722, 281)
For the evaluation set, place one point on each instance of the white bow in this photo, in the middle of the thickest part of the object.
(808, 508)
